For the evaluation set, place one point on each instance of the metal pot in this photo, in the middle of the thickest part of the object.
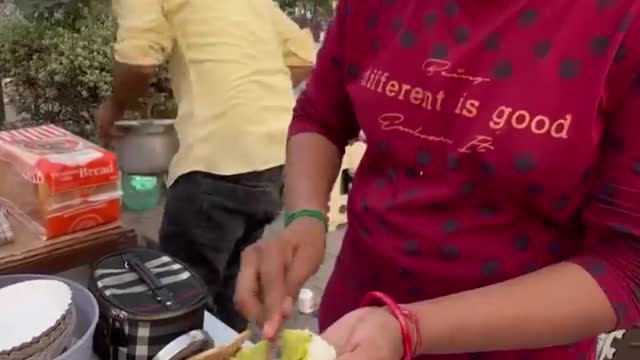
(146, 147)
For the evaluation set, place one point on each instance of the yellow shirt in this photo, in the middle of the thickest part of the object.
(228, 64)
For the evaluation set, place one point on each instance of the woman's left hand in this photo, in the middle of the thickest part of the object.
(369, 333)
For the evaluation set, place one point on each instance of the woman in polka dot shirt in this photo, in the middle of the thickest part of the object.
(498, 200)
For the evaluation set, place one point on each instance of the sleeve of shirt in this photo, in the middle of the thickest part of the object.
(144, 36)
(324, 107)
(297, 44)
(611, 249)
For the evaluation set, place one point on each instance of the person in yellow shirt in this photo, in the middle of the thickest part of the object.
(231, 64)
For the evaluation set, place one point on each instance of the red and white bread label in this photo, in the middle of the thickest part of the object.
(62, 160)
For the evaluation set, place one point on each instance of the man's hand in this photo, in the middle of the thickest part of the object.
(106, 116)
(273, 271)
(299, 74)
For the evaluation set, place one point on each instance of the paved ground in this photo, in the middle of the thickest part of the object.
(148, 223)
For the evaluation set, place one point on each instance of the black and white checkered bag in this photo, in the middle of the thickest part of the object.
(146, 299)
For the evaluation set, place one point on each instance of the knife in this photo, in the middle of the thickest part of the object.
(274, 347)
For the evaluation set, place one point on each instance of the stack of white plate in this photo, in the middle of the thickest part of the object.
(36, 320)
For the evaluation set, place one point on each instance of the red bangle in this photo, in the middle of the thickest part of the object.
(404, 318)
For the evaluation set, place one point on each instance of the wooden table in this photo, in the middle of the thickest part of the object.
(627, 347)
(30, 254)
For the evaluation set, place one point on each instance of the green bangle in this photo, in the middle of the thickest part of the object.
(315, 214)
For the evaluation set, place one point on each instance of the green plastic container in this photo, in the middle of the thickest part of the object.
(140, 192)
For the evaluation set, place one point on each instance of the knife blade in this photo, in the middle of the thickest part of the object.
(274, 349)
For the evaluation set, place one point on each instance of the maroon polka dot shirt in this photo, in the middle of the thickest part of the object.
(502, 136)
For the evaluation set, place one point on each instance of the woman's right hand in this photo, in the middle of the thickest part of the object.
(273, 270)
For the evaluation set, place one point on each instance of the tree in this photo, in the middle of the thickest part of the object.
(314, 14)
(66, 13)
(59, 56)
(288, 6)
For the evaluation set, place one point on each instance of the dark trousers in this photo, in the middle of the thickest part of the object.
(210, 219)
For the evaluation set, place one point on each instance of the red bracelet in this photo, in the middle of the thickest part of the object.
(407, 320)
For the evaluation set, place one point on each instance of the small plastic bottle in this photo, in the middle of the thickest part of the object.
(306, 303)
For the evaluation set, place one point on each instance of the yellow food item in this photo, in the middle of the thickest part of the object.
(295, 345)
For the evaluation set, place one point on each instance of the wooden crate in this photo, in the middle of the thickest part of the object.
(338, 200)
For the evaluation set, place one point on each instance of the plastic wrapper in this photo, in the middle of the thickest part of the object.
(56, 183)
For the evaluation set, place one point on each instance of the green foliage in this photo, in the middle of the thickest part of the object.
(64, 13)
(60, 59)
(311, 8)
(314, 14)
(288, 6)
(32, 9)
(59, 75)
